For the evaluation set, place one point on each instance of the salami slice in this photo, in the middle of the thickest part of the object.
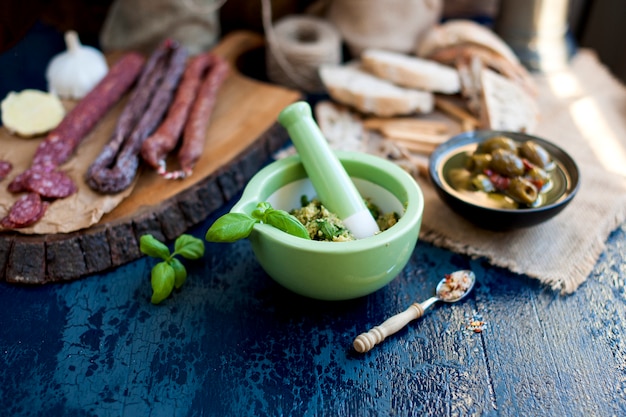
(53, 184)
(19, 183)
(7, 224)
(28, 209)
(5, 169)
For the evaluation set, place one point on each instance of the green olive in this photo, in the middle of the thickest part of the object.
(479, 162)
(460, 179)
(535, 153)
(522, 190)
(536, 174)
(482, 183)
(497, 142)
(506, 163)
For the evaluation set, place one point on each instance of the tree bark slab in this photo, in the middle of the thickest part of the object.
(240, 139)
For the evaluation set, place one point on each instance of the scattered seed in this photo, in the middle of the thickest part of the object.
(475, 323)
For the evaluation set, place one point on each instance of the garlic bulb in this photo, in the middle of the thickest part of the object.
(74, 72)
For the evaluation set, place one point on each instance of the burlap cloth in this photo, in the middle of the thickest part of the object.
(583, 110)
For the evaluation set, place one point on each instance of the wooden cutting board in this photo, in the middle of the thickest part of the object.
(242, 135)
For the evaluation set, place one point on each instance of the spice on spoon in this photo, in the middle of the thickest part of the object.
(455, 285)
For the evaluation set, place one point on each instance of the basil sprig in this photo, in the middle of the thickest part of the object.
(234, 226)
(169, 273)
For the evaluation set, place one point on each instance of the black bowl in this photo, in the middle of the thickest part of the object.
(451, 154)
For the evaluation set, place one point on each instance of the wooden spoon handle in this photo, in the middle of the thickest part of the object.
(366, 341)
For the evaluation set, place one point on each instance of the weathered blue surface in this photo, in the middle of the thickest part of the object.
(234, 343)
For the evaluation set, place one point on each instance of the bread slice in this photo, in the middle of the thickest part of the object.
(411, 71)
(506, 105)
(462, 31)
(342, 128)
(350, 85)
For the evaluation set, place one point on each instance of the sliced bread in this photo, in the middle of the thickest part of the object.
(462, 31)
(411, 71)
(505, 105)
(352, 86)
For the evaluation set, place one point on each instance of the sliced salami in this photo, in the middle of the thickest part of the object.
(53, 184)
(28, 209)
(20, 182)
(7, 224)
(5, 169)
(17, 184)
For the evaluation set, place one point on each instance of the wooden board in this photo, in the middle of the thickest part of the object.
(242, 135)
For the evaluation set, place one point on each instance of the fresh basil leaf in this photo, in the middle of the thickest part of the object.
(284, 221)
(328, 229)
(162, 280)
(180, 273)
(189, 247)
(230, 228)
(150, 246)
(261, 209)
(373, 209)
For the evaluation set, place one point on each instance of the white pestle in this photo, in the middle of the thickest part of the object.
(333, 185)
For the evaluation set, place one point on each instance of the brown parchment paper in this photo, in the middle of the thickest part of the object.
(80, 210)
(583, 110)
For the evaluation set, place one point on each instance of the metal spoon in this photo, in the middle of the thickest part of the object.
(453, 287)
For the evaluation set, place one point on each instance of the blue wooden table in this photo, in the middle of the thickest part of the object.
(232, 342)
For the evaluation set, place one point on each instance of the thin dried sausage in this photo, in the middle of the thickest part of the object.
(158, 145)
(121, 175)
(60, 144)
(194, 135)
(135, 107)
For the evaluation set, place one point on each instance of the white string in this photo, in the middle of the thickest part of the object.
(297, 47)
(203, 8)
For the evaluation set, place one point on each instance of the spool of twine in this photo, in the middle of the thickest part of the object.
(296, 47)
(203, 7)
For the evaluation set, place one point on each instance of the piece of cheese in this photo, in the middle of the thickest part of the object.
(31, 112)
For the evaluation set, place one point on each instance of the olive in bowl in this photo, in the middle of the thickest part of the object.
(502, 180)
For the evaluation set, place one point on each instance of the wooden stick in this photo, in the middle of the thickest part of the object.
(468, 126)
(417, 147)
(413, 136)
(419, 161)
(457, 112)
(421, 125)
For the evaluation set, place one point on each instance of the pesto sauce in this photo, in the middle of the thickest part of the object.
(324, 225)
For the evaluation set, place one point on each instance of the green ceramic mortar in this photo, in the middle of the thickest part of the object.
(335, 270)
